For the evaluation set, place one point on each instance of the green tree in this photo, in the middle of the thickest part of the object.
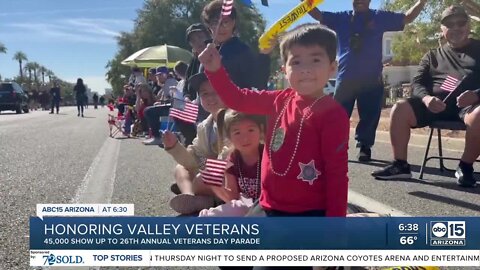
(20, 57)
(423, 34)
(3, 49)
(164, 22)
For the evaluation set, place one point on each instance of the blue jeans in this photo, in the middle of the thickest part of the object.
(369, 96)
(153, 114)
(128, 123)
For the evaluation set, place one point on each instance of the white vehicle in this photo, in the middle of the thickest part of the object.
(330, 87)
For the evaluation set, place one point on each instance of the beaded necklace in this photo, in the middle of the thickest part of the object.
(257, 179)
(299, 134)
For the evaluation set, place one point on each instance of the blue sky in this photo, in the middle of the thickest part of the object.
(77, 38)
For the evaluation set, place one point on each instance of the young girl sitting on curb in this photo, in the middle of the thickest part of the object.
(195, 195)
(242, 178)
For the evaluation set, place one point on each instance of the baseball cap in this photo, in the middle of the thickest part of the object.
(454, 10)
(196, 80)
(136, 69)
(161, 70)
(196, 27)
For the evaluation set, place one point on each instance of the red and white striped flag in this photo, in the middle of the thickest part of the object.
(449, 84)
(184, 110)
(214, 172)
(227, 7)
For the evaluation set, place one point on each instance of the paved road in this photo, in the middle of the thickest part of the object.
(63, 158)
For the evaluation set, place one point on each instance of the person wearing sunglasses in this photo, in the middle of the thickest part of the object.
(446, 87)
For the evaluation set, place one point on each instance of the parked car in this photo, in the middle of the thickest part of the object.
(13, 98)
(330, 87)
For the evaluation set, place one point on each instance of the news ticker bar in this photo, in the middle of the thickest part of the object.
(167, 233)
(255, 258)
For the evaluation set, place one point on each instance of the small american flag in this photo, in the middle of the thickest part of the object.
(184, 110)
(214, 172)
(227, 7)
(450, 84)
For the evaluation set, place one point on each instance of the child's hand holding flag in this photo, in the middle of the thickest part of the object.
(169, 139)
(210, 58)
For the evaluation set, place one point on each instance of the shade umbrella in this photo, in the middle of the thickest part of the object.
(166, 55)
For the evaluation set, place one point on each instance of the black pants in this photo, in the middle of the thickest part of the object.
(188, 130)
(153, 114)
(80, 105)
(55, 104)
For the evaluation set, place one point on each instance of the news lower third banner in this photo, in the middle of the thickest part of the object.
(182, 241)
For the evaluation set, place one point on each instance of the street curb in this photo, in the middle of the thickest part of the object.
(420, 140)
(366, 204)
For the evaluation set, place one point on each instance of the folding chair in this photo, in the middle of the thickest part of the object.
(439, 125)
(115, 124)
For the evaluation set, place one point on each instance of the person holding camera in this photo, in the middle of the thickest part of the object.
(359, 78)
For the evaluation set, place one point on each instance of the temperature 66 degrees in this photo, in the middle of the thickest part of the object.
(408, 240)
(408, 227)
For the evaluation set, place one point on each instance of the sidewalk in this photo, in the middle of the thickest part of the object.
(384, 125)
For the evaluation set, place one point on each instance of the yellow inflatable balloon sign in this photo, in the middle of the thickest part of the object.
(281, 25)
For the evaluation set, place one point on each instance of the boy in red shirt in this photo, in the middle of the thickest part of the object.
(305, 160)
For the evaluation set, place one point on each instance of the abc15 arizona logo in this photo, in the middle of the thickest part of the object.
(447, 233)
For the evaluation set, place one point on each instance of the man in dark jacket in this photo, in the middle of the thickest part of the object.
(55, 97)
(446, 87)
(95, 101)
(196, 35)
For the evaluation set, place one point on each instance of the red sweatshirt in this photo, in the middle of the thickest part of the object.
(317, 178)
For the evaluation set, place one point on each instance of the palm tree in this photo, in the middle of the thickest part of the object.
(50, 75)
(29, 67)
(36, 67)
(20, 57)
(3, 49)
(43, 70)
